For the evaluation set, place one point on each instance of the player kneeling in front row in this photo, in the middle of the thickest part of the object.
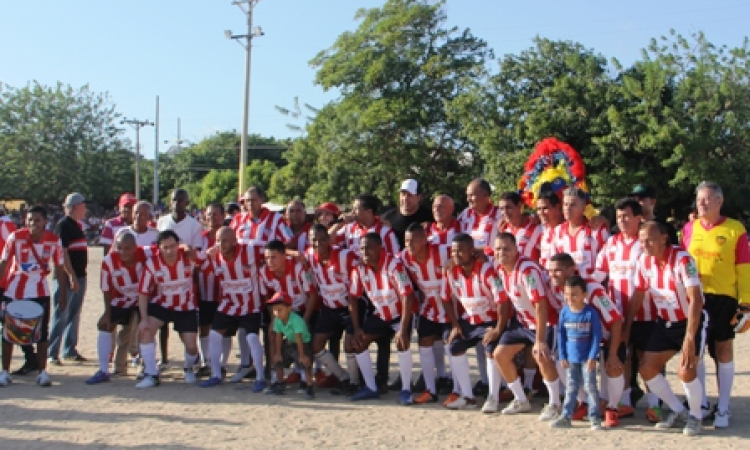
(291, 343)
(168, 276)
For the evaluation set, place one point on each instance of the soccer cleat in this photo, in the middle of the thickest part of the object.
(625, 411)
(259, 386)
(148, 381)
(98, 377)
(721, 419)
(581, 411)
(240, 374)
(211, 382)
(365, 394)
(595, 423)
(463, 403)
(5, 378)
(452, 397)
(490, 406)
(43, 379)
(481, 389)
(611, 418)
(203, 372)
(672, 419)
(190, 377)
(405, 398)
(425, 397)
(277, 389)
(550, 412)
(517, 407)
(26, 368)
(561, 422)
(693, 426)
(654, 414)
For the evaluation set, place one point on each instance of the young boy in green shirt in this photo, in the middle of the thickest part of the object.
(291, 343)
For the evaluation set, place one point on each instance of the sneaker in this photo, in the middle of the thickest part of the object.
(43, 379)
(654, 414)
(259, 386)
(203, 372)
(190, 377)
(490, 406)
(77, 358)
(5, 378)
(240, 374)
(506, 395)
(611, 418)
(148, 381)
(706, 411)
(26, 368)
(54, 361)
(98, 377)
(581, 412)
(550, 412)
(405, 398)
(481, 389)
(365, 394)
(516, 407)
(452, 397)
(211, 382)
(561, 422)
(444, 386)
(343, 388)
(277, 389)
(625, 411)
(721, 419)
(425, 397)
(463, 403)
(693, 426)
(293, 378)
(302, 387)
(673, 419)
(310, 393)
(596, 423)
(141, 374)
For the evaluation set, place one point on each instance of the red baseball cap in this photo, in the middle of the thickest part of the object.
(280, 297)
(127, 199)
(328, 207)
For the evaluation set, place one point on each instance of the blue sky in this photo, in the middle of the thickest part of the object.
(138, 49)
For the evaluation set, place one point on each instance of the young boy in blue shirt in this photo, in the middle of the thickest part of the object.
(579, 334)
(291, 343)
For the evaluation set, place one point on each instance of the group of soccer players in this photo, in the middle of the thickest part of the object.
(488, 282)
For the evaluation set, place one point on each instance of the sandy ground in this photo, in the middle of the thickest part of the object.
(72, 415)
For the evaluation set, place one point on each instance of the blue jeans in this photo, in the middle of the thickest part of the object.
(66, 323)
(577, 375)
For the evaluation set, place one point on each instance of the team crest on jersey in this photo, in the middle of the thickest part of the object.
(604, 301)
(531, 280)
(691, 269)
(497, 282)
(402, 277)
(721, 240)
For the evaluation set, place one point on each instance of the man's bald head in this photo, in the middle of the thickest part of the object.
(227, 240)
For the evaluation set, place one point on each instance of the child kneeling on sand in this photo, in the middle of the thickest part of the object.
(291, 344)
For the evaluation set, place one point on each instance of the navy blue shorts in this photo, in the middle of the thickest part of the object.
(516, 333)
(332, 321)
(375, 326)
(472, 335)
(182, 321)
(250, 323)
(427, 328)
(121, 316)
(206, 311)
(669, 336)
(622, 352)
(640, 333)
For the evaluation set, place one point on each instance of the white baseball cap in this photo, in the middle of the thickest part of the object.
(411, 186)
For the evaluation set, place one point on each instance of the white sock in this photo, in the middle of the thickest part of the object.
(694, 397)
(226, 351)
(205, 343)
(659, 386)
(256, 349)
(482, 363)
(460, 367)
(148, 353)
(405, 364)
(725, 374)
(494, 378)
(352, 367)
(553, 387)
(244, 348)
(427, 361)
(528, 378)
(191, 360)
(700, 373)
(365, 366)
(438, 348)
(329, 362)
(104, 347)
(456, 386)
(516, 388)
(652, 399)
(214, 355)
(615, 386)
(625, 397)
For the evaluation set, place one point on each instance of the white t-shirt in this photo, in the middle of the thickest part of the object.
(145, 239)
(188, 229)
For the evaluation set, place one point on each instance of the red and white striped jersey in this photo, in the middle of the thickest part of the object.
(546, 246)
(269, 226)
(528, 238)
(6, 228)
(668, 284)
(333, 278)
(172, 286)
(428, 277)
(121, 281)
(208, 285)
(618, 260)
(349, 236)
(28, 270)
(385, 289)
(296, 283)
(478, 294)
(443, 236)
(238, 280)
(301, 240)
(584, 246)
(481, 227)
(111, 227)
(525, 287)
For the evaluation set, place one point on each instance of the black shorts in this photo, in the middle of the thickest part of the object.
(206, 311)
(290, 354)
(182, 321)
(45, 304)
(230, 324)
(622, 352)
(668, 336)
(516, 333)
(472, 335)
(640, 333)
(427, 328)
(333, 321)
(121, 316)
(721, 310)
(375, 326)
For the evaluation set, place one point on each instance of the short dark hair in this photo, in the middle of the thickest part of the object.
(216, 205)
(506, 236)
(514, 197)
(38, 210)
(564, 258)
(166, 234)
(319, 228)
(576, 281)
(483, 185)
(369, 202)
(232, 207)
(373, 236)
(258, 190)
(415, 227)
(276, 245)
(463, 238)
(629, 202)
(547, 192)
(180, 191)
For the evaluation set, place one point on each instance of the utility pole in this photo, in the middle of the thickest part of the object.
(137, 125)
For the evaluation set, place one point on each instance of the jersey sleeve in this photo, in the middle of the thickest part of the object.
(105, 282)
(494, 284)
(108, 234)
(743, 269)
(263, 283)
(356, 289)
(446, 291)
(601, 267)
(9, 248)
(6, 228)
(400, 279)
(601, 302)
(534, 285)
(147, 283)
(391, 243)
(687, 271)
(64, 233)
(283, 232)
(304, 278)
